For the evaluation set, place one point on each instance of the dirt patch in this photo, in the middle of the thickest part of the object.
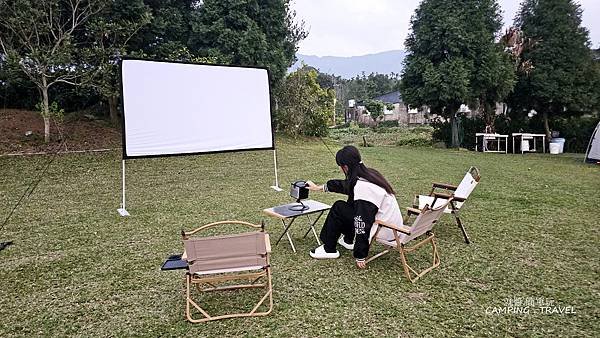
(416, 297)
(22, 132)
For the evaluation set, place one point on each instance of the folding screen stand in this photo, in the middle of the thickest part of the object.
(122, 210)
(276, 186)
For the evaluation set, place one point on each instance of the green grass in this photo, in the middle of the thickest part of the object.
(77, 268)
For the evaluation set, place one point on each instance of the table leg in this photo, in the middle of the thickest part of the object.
(286, 232)
(513, 142)
(544, 144)
(312, 227)
(475, 143)
(307, 231)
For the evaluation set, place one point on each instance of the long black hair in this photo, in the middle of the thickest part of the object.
(350, 157)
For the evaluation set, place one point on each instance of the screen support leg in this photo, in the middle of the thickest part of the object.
(122, 210)
(276, 186)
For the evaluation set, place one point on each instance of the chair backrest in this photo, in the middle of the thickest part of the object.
(425, 221)
(226, 253)
(467, 185)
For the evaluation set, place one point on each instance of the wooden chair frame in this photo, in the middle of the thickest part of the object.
(447, 190)
(210, 282)
(411, 274)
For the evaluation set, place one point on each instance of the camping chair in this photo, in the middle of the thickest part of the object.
(402, 235)
(460, 193)
(216, 260)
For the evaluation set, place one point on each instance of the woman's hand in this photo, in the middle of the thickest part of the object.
(312, 186)
(361, 264)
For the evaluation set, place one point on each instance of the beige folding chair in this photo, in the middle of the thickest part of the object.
(403, 235)
(460, 193)
(215, 261)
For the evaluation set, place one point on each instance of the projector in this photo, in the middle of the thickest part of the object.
(299, 190)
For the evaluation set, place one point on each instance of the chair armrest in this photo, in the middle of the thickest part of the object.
(403, 229)
(442, 195)
(187, 234)
(413, 211)
(458, 199)
(267, 243)
(447, 196)
(444, 186)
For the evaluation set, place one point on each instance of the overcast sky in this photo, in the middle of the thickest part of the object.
(359, 27)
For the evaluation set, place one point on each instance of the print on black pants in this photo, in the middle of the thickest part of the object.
(340, 220)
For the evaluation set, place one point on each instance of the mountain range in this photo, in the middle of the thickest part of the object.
(347, 67)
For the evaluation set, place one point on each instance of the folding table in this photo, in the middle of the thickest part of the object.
(486, 138)
(526, 137)
(289, 212)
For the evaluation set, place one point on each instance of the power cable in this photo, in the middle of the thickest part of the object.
(33, 185)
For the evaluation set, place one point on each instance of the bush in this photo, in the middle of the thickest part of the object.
(354, 128)
(576, 131)
(388, 124)
(304, 107)
(415, 140)
(397, 136)
(387, 130)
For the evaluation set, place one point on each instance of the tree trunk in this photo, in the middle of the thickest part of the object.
(546, 125)
(113, 109)
(45, 110)
(334, 111)
(454, 124)
(489, 114)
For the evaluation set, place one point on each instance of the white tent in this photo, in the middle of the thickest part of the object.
(593, 151)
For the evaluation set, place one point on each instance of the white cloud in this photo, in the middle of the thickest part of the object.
(358, 27)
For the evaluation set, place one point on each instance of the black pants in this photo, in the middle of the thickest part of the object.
(340, 220)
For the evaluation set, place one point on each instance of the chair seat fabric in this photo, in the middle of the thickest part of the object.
(220, 254)
(428, 200)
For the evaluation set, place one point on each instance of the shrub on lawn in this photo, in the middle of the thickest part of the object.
(398, 136)
(388, 124)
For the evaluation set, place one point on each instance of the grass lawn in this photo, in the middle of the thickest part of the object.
(77, 268)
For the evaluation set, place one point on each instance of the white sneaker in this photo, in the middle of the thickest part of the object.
(344, 244)
(319, 253)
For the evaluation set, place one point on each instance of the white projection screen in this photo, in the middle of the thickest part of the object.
(181, 108)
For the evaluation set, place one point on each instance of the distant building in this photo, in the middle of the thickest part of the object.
(356, 111)
(400, 112)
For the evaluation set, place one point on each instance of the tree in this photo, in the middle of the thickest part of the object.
(169, 33)
(108, 35)
(365, 87)
(159, 29)
(563, 79)
(304, 107)
(375, 108)
(248, 32)
(37, 37)
(452, 43)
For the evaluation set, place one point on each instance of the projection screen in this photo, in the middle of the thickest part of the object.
(180, 108)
